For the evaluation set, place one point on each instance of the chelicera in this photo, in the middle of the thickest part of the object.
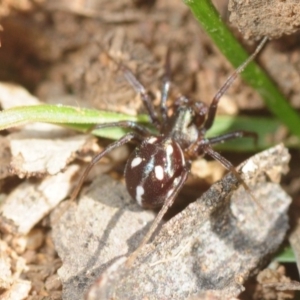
(159, 166)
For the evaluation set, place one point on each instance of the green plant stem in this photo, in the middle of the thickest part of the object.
(62, 114)
(208, 17)
(82, 119)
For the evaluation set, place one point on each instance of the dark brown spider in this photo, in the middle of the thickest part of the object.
(159, 166)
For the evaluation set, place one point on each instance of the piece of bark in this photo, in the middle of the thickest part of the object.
(105, 225)
(27, 204)
(43, 149)
(215, 244)
(256, 18)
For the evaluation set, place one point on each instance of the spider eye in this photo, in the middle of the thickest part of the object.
(153, 170)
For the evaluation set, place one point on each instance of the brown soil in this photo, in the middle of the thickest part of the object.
(58, 52)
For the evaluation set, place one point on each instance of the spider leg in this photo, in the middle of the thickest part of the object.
(140, 89)
(124, 140)
(201, 111)
(206, 148)
(165, 88)
(144, 131)
(146, 98)
(168, 203)
(233, 135)
(214, 104)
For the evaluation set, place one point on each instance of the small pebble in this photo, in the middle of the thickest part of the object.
(35, 239)
(53, 283)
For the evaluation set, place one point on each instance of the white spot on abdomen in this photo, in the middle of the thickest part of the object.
(169, 149)
(139, 194)
(159, 172)
(152, 140)
(136, 161)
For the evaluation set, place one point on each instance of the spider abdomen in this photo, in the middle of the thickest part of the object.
(153, 170)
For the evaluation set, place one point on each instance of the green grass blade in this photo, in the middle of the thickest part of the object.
(81, 119)
(76, 118)
(266, 128)
(286, 256)
(210, 20)
(61, 114)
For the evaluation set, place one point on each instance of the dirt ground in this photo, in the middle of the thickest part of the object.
(58, 52)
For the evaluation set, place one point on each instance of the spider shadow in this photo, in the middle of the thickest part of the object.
(237, 226)
(94, 242)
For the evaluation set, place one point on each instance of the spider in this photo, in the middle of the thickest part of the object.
(159, 166)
